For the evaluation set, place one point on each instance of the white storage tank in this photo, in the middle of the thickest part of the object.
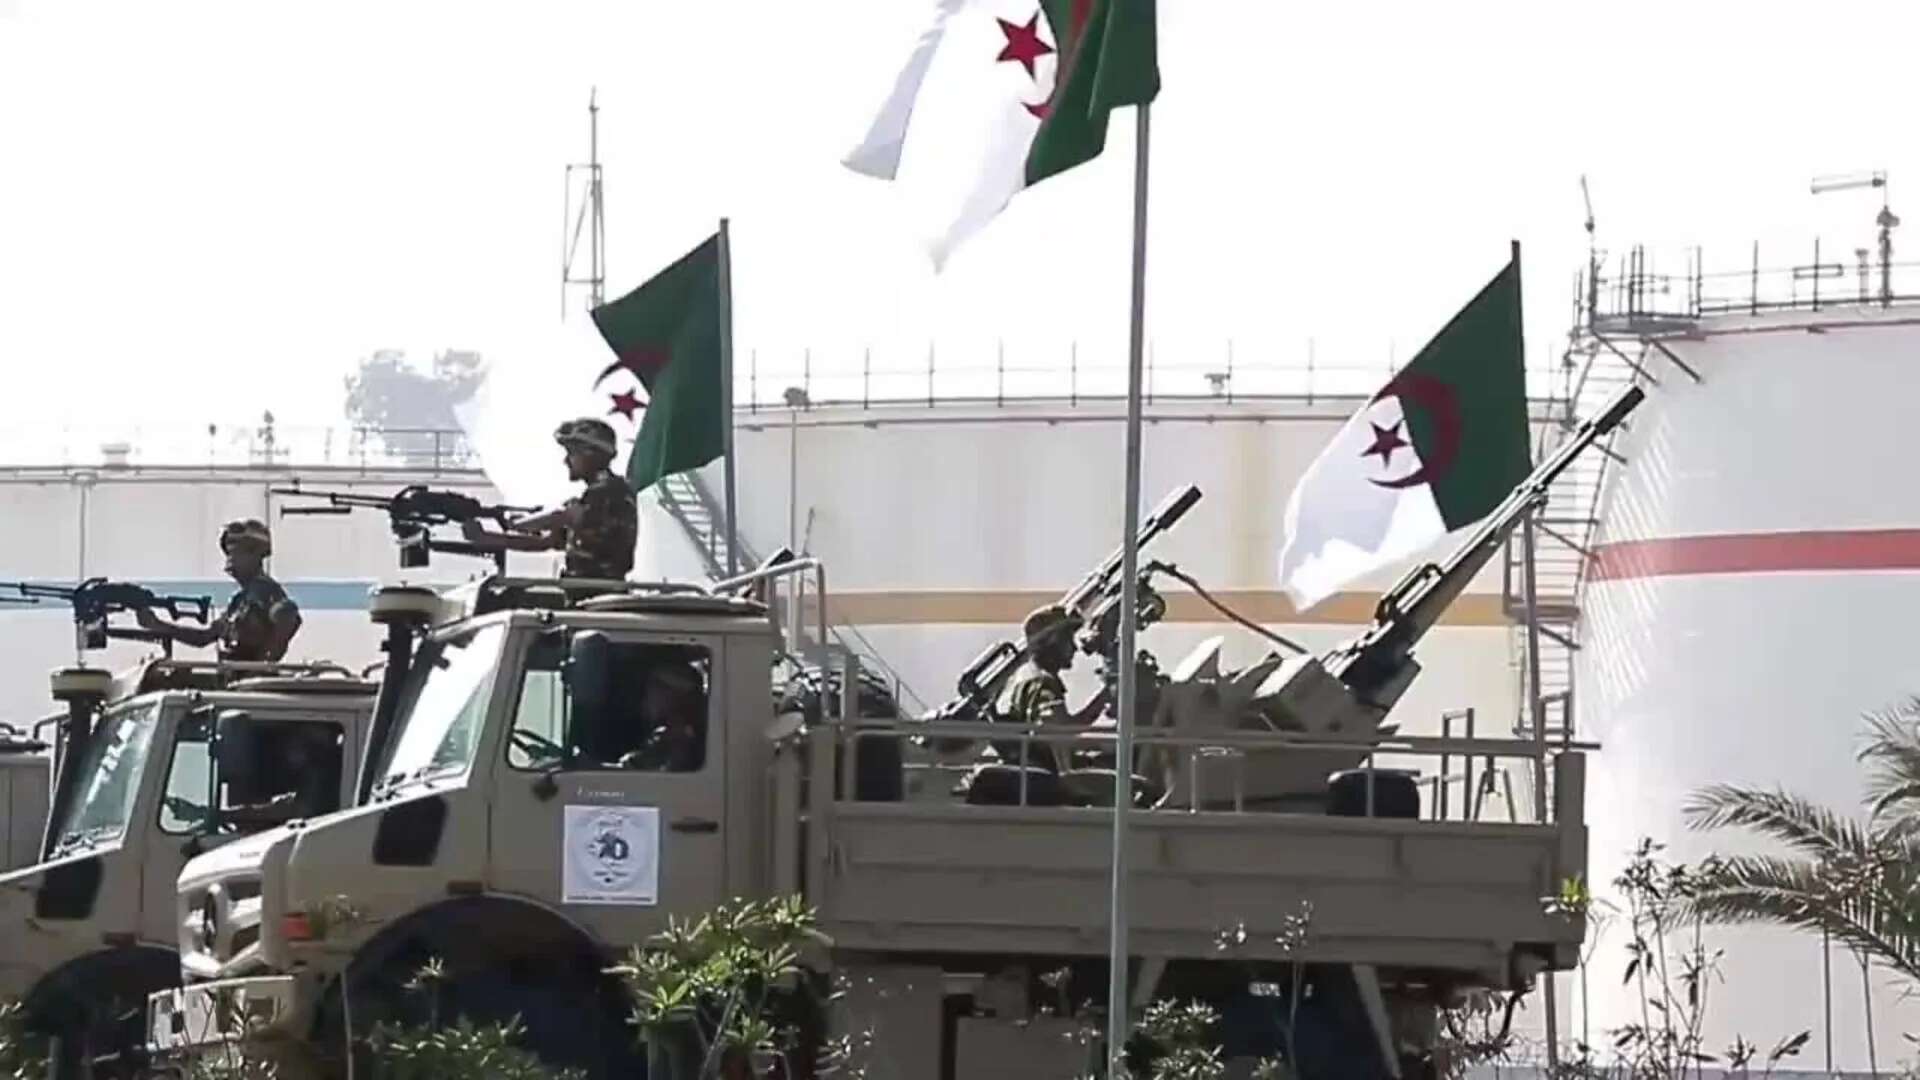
(1750, 596)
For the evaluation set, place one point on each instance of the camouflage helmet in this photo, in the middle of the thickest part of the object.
(586, 433)
(251, 532)
(1046, 623)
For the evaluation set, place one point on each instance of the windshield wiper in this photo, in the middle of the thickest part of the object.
(81, 838)
(394, 781)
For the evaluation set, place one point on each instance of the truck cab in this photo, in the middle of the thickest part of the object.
(176, 759)
(567, 769)
(26, 782)
(562, 776)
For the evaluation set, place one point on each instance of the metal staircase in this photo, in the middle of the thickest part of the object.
(1610, 350)
(686, 499)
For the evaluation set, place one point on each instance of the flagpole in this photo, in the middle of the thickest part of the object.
(726, 394)
(1119, 1020)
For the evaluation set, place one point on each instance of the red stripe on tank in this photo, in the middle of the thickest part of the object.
(1758, 553)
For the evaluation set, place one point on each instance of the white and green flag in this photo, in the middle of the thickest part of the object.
(1437, 449)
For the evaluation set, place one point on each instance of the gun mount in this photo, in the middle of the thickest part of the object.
(96, 599)
(1343, 697)
(1094, 602)
(414, 511)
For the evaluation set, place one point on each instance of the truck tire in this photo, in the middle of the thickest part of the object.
(95, 1009)
(500, 959)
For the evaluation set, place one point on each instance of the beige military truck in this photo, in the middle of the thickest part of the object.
(26, 780)
(158, 764)
(557, 768)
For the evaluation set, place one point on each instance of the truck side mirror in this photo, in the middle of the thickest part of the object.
(588, 672)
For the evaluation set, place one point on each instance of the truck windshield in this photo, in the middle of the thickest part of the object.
(442, 704)
(109, 780)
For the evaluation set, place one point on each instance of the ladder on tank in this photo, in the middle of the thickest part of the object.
(687, 500)
(1610, 353)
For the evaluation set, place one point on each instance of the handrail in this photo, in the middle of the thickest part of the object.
(787, 569)
(1260, 740)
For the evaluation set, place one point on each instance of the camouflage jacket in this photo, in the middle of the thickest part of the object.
(1039, 697)
(606, 525)
(246, 630)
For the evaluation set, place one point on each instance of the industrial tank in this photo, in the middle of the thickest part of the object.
(943, 524)
(1748, 598)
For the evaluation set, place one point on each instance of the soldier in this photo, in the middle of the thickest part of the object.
(260, 619)
(1039, 696)
(596, 528)
(673, 715)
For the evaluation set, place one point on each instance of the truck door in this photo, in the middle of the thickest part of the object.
(294, 766)
(612, 805)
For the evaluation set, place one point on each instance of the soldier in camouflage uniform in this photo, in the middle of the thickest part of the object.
(1039, 695)
(597, 528)
(260, 619)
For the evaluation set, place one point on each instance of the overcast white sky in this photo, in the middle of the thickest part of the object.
(212, 208)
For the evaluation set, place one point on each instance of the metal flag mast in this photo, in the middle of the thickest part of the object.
(1119, 1019)
(726, 396)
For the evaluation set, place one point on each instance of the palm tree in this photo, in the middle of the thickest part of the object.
(1856, 880)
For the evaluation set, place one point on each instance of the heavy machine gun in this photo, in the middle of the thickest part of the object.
(414, 511)
(95, 599)
(1095, 602)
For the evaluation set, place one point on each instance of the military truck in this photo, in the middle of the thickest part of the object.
(26, 779)
(158, 764)
(557, 768)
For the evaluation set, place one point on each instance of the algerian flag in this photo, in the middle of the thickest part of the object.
(1437, 449)
(998, 95)
(665, 337)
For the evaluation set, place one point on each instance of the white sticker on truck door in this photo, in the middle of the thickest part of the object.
(611, 855)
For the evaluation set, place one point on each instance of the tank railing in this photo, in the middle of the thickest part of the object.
(855, 378)
(1634, 295)
(447, 452)
(1233, 746)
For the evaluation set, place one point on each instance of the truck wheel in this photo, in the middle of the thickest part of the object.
(106, 1031)
(567, 1022)
(575, 1022)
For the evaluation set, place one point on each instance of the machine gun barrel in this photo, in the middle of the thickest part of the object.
(1415, 604)
(413, 512)
(983, 679)
(95, 599)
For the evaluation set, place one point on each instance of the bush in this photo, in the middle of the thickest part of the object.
(722, 996)
(22, 1057)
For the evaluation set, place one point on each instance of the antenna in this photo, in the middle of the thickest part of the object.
(1593, 255)
(1885, 219)
(590, 216)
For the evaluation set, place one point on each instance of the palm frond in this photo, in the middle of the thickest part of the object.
(1880, 919)
(1892, 754)
(1804, 826)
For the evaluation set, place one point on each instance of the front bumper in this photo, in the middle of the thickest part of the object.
(229, 1010)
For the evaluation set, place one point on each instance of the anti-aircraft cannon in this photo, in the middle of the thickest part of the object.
(1341, 698)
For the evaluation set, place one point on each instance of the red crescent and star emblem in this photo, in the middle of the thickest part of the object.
(1436, 400)
(1024, 46)
(643, 364)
